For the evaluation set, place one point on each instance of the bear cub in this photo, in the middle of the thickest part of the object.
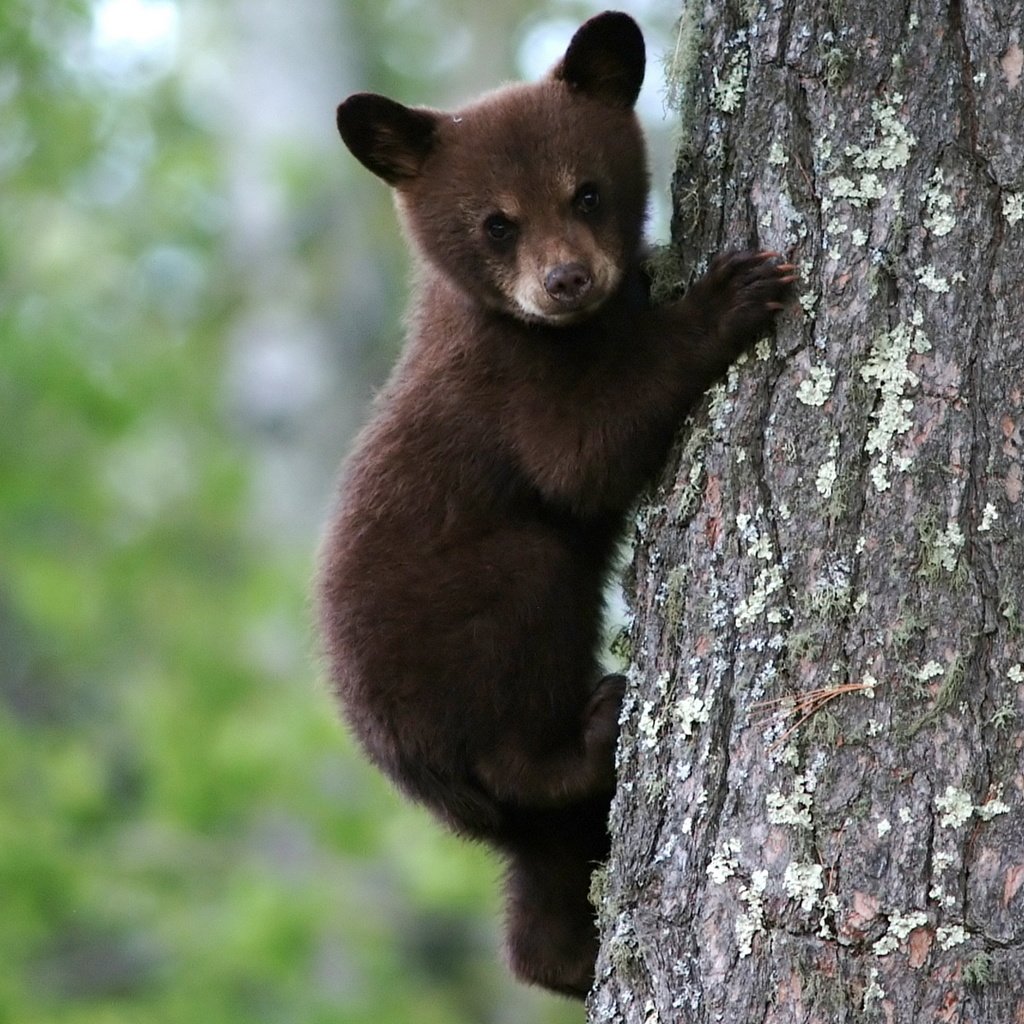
(461, 576)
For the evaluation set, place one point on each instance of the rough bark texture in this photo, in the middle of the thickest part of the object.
(845, 516)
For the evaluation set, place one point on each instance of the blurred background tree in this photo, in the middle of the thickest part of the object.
(199, 292)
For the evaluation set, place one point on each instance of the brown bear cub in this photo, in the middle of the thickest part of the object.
(460, 588)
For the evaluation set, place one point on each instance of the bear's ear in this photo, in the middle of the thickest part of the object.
(605, 59)
(389, 139)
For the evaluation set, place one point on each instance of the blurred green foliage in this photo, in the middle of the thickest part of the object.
(198, 295)
(185, 831)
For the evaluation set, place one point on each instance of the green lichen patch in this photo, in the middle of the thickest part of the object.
(825, 480)
(751, 921)
(940, 548)
(955, 807)
(901, 924)
(793, 809)
(1013, 207)
(803, 882)
(815, 388)
(862, 180)
(931, 279)
(989, 515)
(978, 970)
(950, 935)
(690, 710)
(873, 991)
(887, 367)
(938, 218)
(725, 862)
(729, 86)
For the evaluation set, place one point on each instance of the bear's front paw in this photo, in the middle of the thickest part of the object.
(742, 292)
(601, 716)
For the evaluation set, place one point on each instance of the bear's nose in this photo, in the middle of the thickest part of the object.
(568, 282)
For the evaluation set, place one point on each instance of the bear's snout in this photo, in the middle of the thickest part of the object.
(568, 282)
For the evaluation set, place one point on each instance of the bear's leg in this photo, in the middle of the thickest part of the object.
(552, 936)
(576, 764)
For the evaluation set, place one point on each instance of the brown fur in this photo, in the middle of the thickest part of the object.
(460, 588)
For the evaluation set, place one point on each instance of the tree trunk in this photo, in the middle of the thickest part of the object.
(821, 805)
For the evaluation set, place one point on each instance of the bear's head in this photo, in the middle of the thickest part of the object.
(531, 200)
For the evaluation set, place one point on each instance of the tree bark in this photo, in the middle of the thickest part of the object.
(820, 814)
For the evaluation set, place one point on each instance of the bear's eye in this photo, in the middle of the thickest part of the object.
(587, 198)
(499, 228)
